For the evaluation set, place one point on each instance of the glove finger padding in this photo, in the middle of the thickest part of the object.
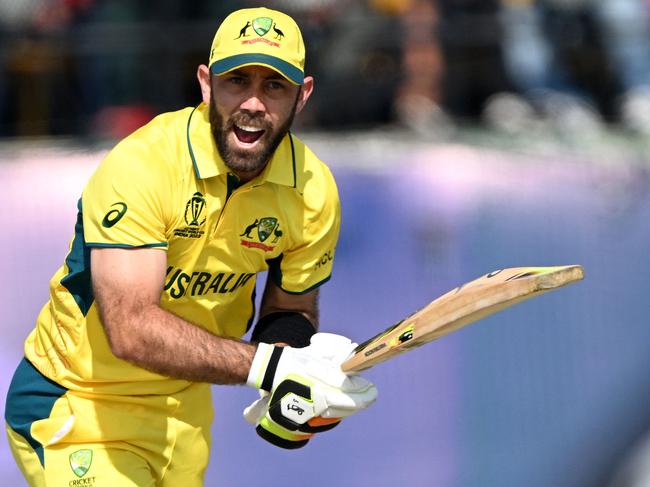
(319, 424)
(289, 408)
(256, 411)
(290, 420)
(291, 404)
(296, 409)
(279, 436)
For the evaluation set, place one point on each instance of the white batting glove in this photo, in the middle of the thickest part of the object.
(308, 391)
(327, 345)
(257, 409)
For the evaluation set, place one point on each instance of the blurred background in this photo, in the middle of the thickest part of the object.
(466, 136)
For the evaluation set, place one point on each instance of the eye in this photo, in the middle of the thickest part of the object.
(236, 80)
(275, 85)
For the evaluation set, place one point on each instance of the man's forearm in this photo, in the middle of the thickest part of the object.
(161, 342)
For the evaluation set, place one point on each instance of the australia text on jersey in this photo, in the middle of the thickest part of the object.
(200, 283)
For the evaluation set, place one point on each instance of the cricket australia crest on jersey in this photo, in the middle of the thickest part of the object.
(259, 231)
(80, 462)
(194, 216)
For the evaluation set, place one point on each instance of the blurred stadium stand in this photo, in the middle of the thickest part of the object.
(102, 67)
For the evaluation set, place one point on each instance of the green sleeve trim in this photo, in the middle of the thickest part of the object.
(125, 246)
(189, 144)
(275, 273)
(293, 161)
(317, 285)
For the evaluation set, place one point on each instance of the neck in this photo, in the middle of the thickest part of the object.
(245, 176)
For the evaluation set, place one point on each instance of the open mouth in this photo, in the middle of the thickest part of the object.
(247, 134)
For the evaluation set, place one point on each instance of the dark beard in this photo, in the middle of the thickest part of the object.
(245, 161)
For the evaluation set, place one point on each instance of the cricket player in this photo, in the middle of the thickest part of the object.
(158, 286)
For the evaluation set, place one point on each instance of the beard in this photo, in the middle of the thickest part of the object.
(252, 160)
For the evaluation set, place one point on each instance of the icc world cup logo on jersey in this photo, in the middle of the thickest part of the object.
(194, 216)
(194, 210)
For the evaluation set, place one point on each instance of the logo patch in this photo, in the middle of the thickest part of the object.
(195, 216)
(114, 215)
(266, 227)
(297, 408)
(80, 462)
(262, 25)
(194, 210)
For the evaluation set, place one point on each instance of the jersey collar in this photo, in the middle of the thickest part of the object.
(208, 163)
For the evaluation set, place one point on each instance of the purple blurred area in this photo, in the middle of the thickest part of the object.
(552, 392)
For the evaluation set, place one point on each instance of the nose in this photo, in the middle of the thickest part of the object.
(253, 102)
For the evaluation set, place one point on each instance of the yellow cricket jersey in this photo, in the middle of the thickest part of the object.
(166, 186)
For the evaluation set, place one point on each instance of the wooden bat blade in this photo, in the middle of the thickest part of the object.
(460, 307)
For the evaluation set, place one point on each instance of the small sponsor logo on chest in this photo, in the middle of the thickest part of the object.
(258, 233)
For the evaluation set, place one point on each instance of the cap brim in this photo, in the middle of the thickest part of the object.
(286, 69)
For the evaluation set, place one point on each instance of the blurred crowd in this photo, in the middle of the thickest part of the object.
(104, 67)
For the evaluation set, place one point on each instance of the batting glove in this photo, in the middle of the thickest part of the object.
(307, 391)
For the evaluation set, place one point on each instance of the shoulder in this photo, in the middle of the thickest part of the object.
(165, 132)
(154, 149)
(314, 179)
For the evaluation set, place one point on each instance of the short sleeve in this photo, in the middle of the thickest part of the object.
(123, 203)
(309, 264)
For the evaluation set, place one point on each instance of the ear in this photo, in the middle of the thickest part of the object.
(203, 75)
(305, 92)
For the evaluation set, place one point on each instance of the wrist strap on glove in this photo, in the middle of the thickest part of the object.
(264, 365)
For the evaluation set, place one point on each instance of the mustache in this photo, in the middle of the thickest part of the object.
(243, 118)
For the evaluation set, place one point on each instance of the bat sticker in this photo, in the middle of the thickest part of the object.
(368, 353)
(406, 335)
(377, 337)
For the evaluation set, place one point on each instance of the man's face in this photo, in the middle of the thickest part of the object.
(251, 110)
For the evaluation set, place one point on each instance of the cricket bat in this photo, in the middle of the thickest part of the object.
(460, 307)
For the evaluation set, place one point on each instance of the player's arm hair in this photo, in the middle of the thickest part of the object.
(286, 318)
(127, 284)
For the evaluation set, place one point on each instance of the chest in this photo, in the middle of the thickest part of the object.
(215, 229)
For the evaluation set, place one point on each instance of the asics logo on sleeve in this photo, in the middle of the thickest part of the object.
(115, 215)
